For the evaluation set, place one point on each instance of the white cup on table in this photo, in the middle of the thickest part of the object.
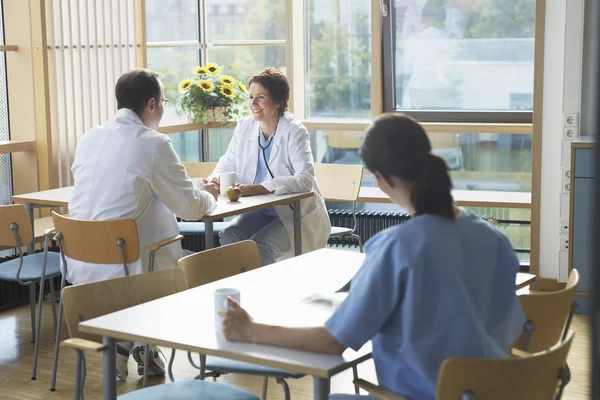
(221, 296)
(226, 179)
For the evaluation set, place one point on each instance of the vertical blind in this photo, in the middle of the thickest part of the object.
(90, 44)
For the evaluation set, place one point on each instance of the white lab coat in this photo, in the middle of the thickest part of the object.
(291, 162)
(123, 169)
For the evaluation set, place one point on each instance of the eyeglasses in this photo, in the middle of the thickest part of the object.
(165, 101)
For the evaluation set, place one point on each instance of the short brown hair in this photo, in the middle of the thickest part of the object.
(276, 83)
(135, 88)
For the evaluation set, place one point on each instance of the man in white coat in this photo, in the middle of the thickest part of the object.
(126, 169)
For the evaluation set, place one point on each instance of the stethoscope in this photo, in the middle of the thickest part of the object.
(264, 149)
(264, 153)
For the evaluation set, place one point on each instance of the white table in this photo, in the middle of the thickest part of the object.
(226, 208)
(271, 294)
(61, 197)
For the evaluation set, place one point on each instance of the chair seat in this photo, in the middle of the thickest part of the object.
(32, 267)
(239, 367)
(351, 397)
(190, 390)
(340, 231)
(197, 228)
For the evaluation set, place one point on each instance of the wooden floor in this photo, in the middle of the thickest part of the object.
(16, 355)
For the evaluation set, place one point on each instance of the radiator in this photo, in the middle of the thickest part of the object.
(196, 242)
(14, 295)
(368, 224)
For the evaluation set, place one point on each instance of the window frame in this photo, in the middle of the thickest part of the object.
(451, 116)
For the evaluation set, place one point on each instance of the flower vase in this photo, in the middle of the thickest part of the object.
(214, 114)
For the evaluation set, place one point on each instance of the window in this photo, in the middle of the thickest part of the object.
(460, 60)
(338, 58)
(242, 42)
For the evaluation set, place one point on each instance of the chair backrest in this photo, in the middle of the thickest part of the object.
(339, 182)
(344, 139)
(549, 312)
(531, 378)
(220, 262)
(91, 300)
(199, 169)
(96, 241)
(14, 214)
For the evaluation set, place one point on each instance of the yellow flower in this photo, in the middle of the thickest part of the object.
(212, 68)
(226, 79)
(227, 91)
(185, 85)
(201, 71)
(207, 86)
(242, 87)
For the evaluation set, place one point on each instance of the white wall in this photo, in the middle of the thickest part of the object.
(562, 88)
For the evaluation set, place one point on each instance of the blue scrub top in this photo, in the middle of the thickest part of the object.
(430, 289)
(262, 174)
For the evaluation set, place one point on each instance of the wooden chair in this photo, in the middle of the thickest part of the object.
(30, 269)
(341, 183)
(98, 242)
(548, 315)
(199, 170)
(87, 301)
(533, 377)
(219, 263)
(349, 141)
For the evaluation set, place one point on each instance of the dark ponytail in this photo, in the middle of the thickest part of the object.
(397, 145)
(431, 191)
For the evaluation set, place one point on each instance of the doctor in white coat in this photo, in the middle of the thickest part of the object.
(270, 153)
(126, 169)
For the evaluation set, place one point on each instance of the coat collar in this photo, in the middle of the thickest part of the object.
(126, 113)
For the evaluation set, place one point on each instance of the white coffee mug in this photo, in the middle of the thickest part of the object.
(221, 296)
(227, 179)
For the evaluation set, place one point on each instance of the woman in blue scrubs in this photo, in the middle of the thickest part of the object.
(440, 285)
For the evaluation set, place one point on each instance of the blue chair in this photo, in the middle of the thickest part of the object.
(30, 269)
(212, 265)
(87, 301)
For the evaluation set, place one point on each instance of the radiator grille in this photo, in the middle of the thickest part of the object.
(368, 224)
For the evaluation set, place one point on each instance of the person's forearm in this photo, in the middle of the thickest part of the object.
(317, 339)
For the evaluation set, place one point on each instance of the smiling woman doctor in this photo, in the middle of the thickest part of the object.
(270, 153)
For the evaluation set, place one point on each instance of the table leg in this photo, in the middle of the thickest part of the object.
(297, 229)
(209, 237)
(321, 388)
(30, 246)
(110, 368)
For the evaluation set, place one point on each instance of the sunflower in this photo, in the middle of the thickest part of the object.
(242, 87)
(212, 68)
(201, 71)
(226, 79)
(185, 85)
(207, 86)
(227, 91)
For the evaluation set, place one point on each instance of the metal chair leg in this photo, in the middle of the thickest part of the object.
(355, 376)
(78, 375)
(32, 303)
(53, 300)
(56, 346)
(265, 386)
(170, 368)
(37, 333)
(146, 356)
(286, 388)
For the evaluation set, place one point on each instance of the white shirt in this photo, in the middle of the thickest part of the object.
(123, 169)
(292, 164)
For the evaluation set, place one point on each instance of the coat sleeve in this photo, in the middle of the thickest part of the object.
(227, 162)
(301, 158)
(171, 183)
